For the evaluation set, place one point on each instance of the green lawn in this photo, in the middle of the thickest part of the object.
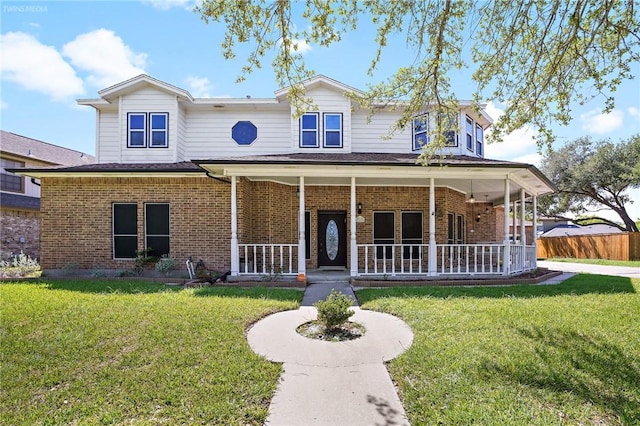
(525, 355)
(607, 262)
(133, 353)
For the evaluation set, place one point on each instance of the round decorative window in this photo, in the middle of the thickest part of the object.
(244, 132)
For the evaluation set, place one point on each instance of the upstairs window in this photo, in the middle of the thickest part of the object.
(10, 181)
(469, 128)
(420, 131)
(137, 130)
(448, 124)
(332, 130)
(159, 134)
(309, 130)
(479, 139)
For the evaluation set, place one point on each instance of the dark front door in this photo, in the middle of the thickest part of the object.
(332, 239)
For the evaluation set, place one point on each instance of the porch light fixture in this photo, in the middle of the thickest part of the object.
(359, 208)
(472, 199)
(478, 218)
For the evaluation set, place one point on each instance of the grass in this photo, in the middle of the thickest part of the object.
(523, 355)
(606, 262)
(118, 352)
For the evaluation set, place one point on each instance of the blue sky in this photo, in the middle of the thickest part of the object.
(55, 52)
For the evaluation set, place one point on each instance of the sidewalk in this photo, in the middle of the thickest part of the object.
(620, 271)
(332, 383)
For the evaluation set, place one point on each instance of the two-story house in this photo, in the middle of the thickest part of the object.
(20, 196)
(249, 187)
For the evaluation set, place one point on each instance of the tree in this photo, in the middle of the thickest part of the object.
(592, 175)
(536, 56)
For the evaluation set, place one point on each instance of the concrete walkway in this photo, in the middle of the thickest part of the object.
(332, 383)
(620, 271)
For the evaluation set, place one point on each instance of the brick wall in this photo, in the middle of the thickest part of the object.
(77, 228)
(20, 232)
(77, 219)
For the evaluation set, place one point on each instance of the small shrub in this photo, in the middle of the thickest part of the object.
(20, 266)
(166, 264)
(143, 259)
(334, 310)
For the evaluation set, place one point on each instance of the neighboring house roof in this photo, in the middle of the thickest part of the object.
(22, 146)
(571, 230)
(17, 201)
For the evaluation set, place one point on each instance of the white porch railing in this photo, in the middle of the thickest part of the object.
(268, 259)
(451, 259)
(470, 259)
(392, 259)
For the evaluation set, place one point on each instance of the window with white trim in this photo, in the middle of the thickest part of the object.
(448, 124)
(469, 129)
(125, 230)
(479, 139)
(136, 130)
(157, 233)
(158, 129)
(420, 131)
(310, 130)
(412, 233)
(332, 130)
(384, 233)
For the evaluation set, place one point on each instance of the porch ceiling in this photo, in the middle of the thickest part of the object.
(487, 182)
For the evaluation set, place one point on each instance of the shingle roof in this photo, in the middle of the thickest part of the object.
(359, 158)
(184, 166)
(31, 148)
(19, 201)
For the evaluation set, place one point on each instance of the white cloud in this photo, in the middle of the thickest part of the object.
(37, 67)
(199, 87)
(634, 112)
(298, 45)
(517, 146)
(168, 4)
(105, 56)
(600, 123)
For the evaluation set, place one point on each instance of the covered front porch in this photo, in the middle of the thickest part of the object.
(467, 216)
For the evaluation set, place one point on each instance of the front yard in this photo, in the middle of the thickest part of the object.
(135, 353)
(526, 355)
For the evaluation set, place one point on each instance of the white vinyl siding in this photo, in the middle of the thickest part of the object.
(149, 100)
(326, 100)
(208, 133)
(109, 144)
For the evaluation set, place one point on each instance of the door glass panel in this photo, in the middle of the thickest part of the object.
(332, 240)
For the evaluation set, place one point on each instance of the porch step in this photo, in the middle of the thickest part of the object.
(319, 290)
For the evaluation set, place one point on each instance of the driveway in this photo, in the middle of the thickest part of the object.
(620, 271)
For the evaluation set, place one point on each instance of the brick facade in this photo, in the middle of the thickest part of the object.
(20, 232)
(77, 219)
(77, 216)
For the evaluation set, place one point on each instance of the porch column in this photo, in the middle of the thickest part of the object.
(535, 231)
(433, 249)
(302, 243)
(507, 251)
(514, 217)
(523, 233)
(353, 244)
(235, 264)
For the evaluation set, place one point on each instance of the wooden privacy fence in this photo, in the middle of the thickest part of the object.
(623, 246)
